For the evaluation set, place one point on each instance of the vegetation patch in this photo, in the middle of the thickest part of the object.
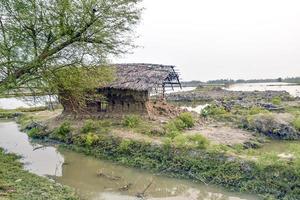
(203, 165)
(276, 100)
(131, 121)
(62, 133)
(16, 183)
(296, 123)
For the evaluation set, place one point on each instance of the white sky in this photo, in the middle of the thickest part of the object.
(212, 39)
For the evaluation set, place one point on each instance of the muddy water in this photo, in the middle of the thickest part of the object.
(80, 172)
(46, 161)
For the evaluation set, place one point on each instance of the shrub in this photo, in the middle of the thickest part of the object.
(181, 142)
(296, 123)
(175, 125)
(167, 143)
(276, 101)
(131, 121)
(62, 133)
(125, 146)
(91, 139)
(190, 142)
(257, 110)
(34, 133)
(213, 110)
(198, 141)
(173, 133)
(187, 119)
(89, 126)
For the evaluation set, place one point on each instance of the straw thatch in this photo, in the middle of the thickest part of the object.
(144, 77)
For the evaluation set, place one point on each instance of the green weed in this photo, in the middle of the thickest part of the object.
(131, 121)
(296, 123)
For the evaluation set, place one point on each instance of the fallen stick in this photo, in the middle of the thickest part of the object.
(39, 147)
(142, 194)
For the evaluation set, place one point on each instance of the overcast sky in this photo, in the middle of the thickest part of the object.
(212, 39)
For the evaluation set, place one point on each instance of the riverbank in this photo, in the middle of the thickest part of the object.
(218, 147)
(175, 154)
(16, 183)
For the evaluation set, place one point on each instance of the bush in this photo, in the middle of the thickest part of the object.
(131, 121)
(173, 133)
(91, 139)
(89, 126)
(257, 110)
(276, 101)
(296, 123)
(62, 133)
(190, 142)
(181, 142)
(34, 133)
(187, 119)
(125, 146)
(198, 141)
(213, 110)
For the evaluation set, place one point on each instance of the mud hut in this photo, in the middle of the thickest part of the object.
(132, 89)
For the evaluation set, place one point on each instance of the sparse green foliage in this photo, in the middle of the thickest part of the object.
(188, 119)
(173, 133)
(277, 100)
(131, 121)
(91, 139)
(256, 110)
(72, 84)
(89, 126)
(183, 121)
(190, 142)
(198, 141)
(125, 146)
(213, 110)
(62, 133)
(39, 37)
(181, 142)
(34, 133)
(296, 123)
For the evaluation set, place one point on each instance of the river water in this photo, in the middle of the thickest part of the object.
(80, 172)
(293, 89)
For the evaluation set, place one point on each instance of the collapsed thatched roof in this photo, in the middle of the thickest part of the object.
(144, 77)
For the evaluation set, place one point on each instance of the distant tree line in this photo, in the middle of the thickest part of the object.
(231, 81)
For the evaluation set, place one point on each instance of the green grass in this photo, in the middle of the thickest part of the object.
(131, 121)
(276, 101)
(62, 133)
(18, 184)
(296, 123)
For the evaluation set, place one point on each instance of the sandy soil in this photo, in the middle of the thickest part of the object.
(220, 134)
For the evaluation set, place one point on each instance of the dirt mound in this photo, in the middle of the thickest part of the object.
(222, 134)
(162, 108)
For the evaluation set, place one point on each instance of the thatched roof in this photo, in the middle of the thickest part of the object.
(144, 77)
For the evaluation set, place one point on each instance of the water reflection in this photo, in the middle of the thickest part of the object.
(80, 172)
(44, 161)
